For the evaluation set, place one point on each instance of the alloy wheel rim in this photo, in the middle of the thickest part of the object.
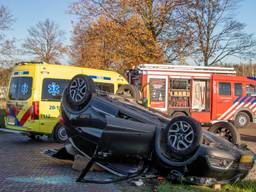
(78, 90)
(62, 134)
(242, 120)
(180, 135)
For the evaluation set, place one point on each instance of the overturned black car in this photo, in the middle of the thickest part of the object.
(127, 139)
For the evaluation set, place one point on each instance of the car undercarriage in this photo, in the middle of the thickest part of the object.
(130, 140)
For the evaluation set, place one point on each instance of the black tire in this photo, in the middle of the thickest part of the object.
(242, 120)
(83, 86)
(60, 134)
(178, 114)
(191, 136)
(226, 130)
(129, 91)
(34, 137)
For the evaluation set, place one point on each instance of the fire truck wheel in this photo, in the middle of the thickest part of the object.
(242, 120)
(59, 134)
(129, 91)
(183, 136)
(226, 130)
(79, 91)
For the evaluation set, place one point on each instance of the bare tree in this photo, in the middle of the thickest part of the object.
(44, 41)
(217, 35)
(6, 18)
(7, 46)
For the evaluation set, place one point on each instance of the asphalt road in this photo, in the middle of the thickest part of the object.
(248, 136)
(23, 167)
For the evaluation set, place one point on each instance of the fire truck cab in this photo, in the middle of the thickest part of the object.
(208, 94)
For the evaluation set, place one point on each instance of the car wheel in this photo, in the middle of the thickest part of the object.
(60, 134)
(227, 131)
(242, 120)
(183, 136)
(129, 91)
(79, 91)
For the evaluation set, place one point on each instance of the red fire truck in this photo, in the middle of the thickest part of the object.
(208, 94)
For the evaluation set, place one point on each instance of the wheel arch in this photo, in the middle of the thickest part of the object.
(247, 111)
(182, 112)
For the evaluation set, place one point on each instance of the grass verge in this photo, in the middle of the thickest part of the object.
(242, 186)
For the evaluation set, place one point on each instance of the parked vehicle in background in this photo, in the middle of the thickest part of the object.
(35, 91)
(208, 94)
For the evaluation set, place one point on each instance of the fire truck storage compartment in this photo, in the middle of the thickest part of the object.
(180, 90)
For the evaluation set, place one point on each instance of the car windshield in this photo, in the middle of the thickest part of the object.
(53, 88)
(20, 88)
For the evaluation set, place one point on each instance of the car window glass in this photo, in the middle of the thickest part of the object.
(225, 89)
(20, 88)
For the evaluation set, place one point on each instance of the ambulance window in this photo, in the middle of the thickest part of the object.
(53, 88)
(251, 90)
(106, 87)
(20, 88)
(225, 89)
(238, 89)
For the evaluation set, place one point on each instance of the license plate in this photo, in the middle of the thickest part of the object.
(10, 120)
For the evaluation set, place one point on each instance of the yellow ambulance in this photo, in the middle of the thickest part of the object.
(35, 90)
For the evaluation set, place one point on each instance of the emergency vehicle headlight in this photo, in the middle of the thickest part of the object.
(219, 163)
(246, 159)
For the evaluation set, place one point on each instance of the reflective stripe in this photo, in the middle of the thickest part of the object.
(100, 77)
(21, 73)
(25, 117)
(247, 102)
(229, 109)
(14, 113)
(233, 112)
(235, 103)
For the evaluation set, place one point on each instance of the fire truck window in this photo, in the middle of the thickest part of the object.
(200, 95)
(157, 89)
(238, 89)
(180, 93)
(251, 90)
(225, 89)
